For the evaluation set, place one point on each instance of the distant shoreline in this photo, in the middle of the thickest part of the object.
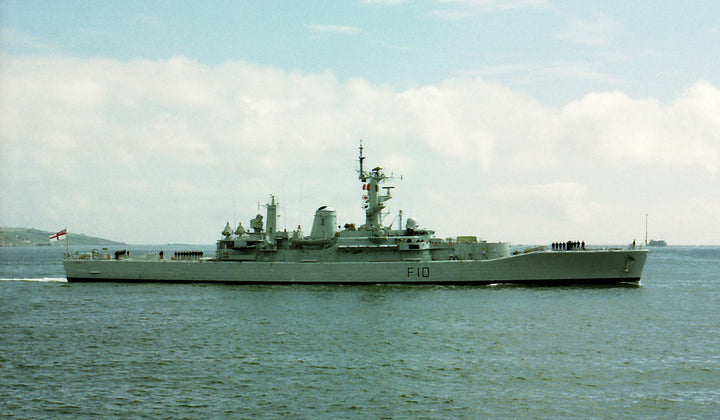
(21, 237)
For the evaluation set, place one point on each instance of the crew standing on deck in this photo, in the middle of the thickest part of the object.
(568, 246)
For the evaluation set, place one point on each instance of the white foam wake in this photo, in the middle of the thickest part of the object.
(44, 279)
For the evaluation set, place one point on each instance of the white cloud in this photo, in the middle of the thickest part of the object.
(161, 151)
(534, 74)
(385, 1)
(681, 134)
(334, 29)
(594, 32)
(492, 5)
(460, 9)
(148, 20)
(14, 39)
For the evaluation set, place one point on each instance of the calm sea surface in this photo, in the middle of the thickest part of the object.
(232, 351)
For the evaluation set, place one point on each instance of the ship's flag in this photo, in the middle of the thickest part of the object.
(58, 236)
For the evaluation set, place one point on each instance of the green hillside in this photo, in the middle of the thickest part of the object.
(28, 237)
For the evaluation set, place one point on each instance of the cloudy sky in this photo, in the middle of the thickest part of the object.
(529, 121)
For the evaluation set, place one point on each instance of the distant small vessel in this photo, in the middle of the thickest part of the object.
(369, 254)
(652, 242)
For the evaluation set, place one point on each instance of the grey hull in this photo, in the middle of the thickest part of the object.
(542, 267)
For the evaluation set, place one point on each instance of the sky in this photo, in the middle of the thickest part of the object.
(528, 121)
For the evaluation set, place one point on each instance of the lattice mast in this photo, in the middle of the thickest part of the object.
(373, 201)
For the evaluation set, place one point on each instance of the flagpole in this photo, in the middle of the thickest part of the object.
(67, 243)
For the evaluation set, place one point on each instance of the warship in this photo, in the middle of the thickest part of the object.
(367, 254)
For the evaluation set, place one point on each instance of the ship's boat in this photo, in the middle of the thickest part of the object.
(369, 254)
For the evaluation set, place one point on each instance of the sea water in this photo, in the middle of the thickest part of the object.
(377, 351)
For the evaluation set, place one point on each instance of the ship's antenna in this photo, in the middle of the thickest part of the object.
(361, 158)
(284, 205)
(300, 209)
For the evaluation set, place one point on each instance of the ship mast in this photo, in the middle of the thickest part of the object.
(363, 177)
(374, 202)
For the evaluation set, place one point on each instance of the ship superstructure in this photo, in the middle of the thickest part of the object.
(370, 253)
